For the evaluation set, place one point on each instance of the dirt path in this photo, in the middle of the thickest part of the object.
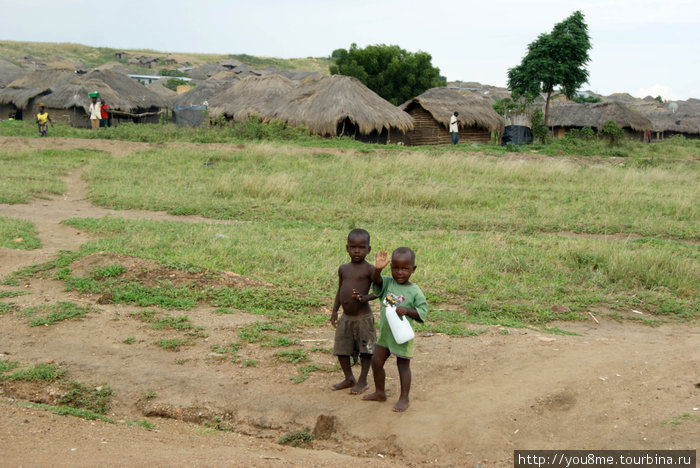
(474, 400)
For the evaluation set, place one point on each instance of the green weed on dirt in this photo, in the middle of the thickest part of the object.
(300, 438)
(173, 344)
(38, 372)
(6, 307)
(67, 410)
(97, 399)
(50, 314)
(18, 234)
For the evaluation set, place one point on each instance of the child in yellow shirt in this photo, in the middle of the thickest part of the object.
(42, 120)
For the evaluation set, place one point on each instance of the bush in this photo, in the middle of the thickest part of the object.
(585, 134)
(539, 129)
(612, 132)
(173, 83)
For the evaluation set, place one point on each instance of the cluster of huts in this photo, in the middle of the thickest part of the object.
(326, 105)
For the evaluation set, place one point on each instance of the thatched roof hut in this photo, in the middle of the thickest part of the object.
(567, 115)
(9, 72)
(255, 95)
(205, 71)
(116, 67)
(432, 111)
(201, 93)
(674, 118)
(128, 100)
(225, 76)
(18, 98)
(166, 93)
(342, 105)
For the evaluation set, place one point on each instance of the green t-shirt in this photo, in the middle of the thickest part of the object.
(404, 296)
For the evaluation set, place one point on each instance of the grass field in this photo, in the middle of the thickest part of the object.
(498, 239)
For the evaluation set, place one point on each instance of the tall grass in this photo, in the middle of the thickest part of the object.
(408, 190)
(493, 235)
(488, 275)
(38, 174)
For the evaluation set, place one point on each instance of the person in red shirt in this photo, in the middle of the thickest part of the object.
(104, 109)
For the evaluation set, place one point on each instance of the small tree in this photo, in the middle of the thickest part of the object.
(388, 70)
(554, 59)
(612, 132)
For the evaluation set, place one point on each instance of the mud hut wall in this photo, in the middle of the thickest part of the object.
(429, 131)
(7, 111)
(426, 130)
(62, 116)
(478, 135)
(79, 118)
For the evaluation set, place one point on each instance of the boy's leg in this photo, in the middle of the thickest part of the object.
(347, 370)
(378, 360)
(404, 366)
(361, 385)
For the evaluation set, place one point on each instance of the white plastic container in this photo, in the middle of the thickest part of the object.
(400, 326)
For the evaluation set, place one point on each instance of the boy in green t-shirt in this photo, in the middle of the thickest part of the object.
(395, 289)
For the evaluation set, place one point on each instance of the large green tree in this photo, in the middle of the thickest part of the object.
(388, 70)
(555, 59)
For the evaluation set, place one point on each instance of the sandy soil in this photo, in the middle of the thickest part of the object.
(474, 400)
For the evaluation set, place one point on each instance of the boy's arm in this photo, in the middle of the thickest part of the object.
(417, 313)
(413, 313)
(366, 298)
(380, 261)
(336, 303)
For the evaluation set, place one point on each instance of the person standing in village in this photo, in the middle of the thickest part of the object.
(104, 113)
(95, 113)
(454, 127)
(43, 119)
(410, 302)
(355, 330)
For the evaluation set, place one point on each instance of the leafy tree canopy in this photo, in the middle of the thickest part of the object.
(554, 59)
(388, 70)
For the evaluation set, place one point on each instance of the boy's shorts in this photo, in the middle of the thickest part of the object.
(355, 334)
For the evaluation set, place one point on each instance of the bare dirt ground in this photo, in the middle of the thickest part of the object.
(474, 400)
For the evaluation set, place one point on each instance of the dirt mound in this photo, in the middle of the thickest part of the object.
(151, 273)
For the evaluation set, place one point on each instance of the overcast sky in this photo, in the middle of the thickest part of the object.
(642, 47)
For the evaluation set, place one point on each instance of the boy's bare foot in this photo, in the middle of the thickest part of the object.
(401, 406)
(376, 396)
(343, 384)
(359, 388)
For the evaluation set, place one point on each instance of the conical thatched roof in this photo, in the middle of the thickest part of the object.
(678, 116)
(34, 83)
(121, 93)
(116, 67)
(200, 94)
(441, 103)
(225, 76)
(596, 115)
(133, 93)
(255, 95)
(159, 88)
(205, 71)
(9, 72)
(44, 78)
(321, 102)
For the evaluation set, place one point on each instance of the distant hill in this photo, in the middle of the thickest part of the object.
(29, 53)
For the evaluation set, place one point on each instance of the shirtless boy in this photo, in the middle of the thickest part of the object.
(355, 331)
